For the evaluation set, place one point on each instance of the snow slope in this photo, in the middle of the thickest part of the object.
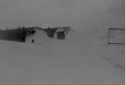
(40, 37)
(83, 61)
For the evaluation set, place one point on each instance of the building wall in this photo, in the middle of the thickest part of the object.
(19, 34)
(68, 32)
(13, 35)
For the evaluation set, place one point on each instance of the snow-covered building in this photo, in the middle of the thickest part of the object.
(50, 31)
(59, 32)
(64, 33)
(38, 35)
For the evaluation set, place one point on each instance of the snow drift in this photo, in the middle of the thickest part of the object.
(39, 37)
(84, 61)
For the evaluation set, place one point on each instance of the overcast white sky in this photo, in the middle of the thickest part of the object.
(81, 15)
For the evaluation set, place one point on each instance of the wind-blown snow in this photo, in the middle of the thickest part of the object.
(83, 61)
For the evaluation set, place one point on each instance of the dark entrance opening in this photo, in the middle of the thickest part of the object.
(60, 35)
(32, 40)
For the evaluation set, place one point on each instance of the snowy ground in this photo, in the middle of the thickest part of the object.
(83, 61)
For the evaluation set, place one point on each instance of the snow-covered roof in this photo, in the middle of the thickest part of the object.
(63, 29)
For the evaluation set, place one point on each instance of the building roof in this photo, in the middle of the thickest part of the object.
(63, 29)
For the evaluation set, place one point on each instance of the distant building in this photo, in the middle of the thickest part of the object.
(63, 32)
(59, 32)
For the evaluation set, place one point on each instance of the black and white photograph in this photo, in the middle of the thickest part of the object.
(62, 42)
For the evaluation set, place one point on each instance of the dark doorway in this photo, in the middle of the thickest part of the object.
(32, 40)
(60, 35)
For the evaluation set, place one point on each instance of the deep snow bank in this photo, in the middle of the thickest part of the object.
(79, 62)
